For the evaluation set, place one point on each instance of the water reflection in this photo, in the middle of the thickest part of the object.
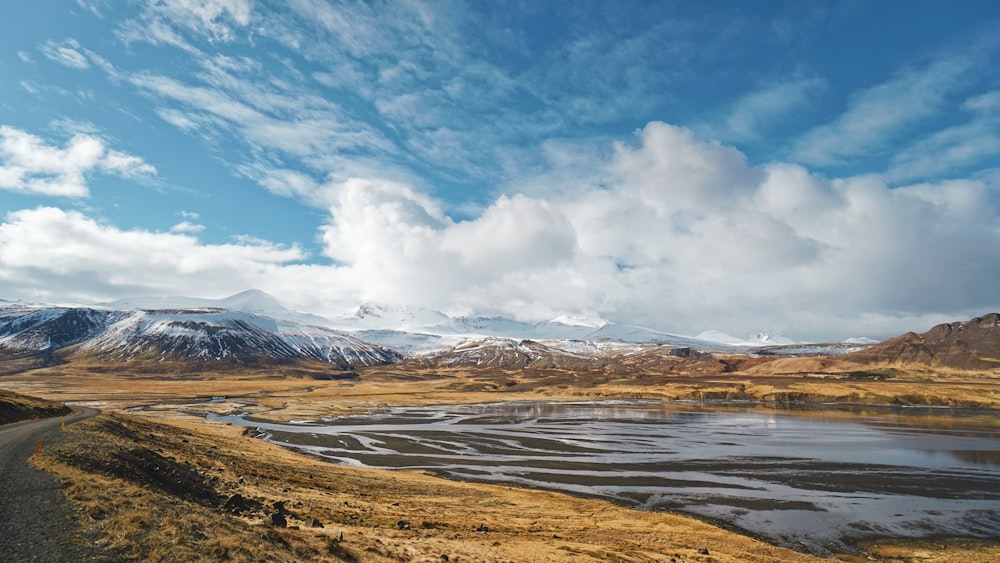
(807, 478)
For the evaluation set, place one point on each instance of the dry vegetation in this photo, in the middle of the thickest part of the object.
(156, 484)
(163, 489)
(15, 407)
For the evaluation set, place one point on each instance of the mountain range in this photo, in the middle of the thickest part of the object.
(253, 329)
(197, 337)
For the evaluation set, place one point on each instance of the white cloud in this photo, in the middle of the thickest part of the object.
(987, 104)
(266, 115)
(671, 169)
(953, 148)
(683, 235)
(187, 227)
(29, 165)
(65, 53)
(90, 7)
(680, 234)
(398, 246)
(48, 253)
(25, 57)
(756, 112)
(877, 115)
(214, 20)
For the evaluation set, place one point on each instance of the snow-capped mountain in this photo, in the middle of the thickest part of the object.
(504, 353)
(206, 336)
(34, 329)
(254, 328)
(251, 301)
(372, 316)
(639, 335)
(761, 338)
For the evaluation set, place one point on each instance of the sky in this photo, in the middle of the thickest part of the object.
(824, 170)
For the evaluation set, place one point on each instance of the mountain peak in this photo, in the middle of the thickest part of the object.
(252, 301)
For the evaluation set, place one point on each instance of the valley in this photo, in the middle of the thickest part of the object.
(162, 377)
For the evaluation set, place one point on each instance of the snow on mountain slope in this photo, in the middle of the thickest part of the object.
(505, 353)
(507, 328)
(829, 349)
(253, 324)
(252, 301)
(758, 339)
(229, 336)
(410, 343)
(372, 316)
(206, 335)
(636, 334)
(34, 329)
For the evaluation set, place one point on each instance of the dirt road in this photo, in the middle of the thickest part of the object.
(35, 520)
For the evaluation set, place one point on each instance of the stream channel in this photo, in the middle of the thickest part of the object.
(813, 479)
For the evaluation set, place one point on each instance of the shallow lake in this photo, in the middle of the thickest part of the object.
(811, 479)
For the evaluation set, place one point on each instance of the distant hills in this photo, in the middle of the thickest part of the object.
(253, 329)
(966, 345)
(172, 338)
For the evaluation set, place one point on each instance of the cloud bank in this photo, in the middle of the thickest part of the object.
(679, 233)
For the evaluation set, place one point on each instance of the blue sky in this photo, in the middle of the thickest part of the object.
(826, 169)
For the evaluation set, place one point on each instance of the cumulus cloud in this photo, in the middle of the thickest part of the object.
(29, 165)
(400, 246)
(48, 253)
(682, 234)
(679, 233)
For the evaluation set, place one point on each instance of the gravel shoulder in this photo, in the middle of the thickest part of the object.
(36, 521)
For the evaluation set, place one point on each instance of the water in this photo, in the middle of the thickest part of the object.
(815, 480)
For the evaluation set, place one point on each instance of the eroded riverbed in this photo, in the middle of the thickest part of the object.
(814, 479)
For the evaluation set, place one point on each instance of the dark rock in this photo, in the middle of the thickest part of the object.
(278, 520)
(703, 550)
(403, 525)
(236, 504)
(316, 523)
(482, 528)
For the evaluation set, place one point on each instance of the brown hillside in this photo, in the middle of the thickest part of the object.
(972, 345)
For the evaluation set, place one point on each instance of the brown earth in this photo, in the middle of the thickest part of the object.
(15, 407)
(972, 345)
(151, 482)
(215, 502)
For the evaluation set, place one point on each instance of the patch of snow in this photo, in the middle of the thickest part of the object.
(252, 301)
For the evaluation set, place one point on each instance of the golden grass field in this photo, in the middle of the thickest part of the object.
(146, 521)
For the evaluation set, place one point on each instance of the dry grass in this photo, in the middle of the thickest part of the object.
(935, 551)
(147, 523)
(15, 407)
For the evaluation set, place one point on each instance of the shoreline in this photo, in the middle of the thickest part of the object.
(283, 399)
(849, 545)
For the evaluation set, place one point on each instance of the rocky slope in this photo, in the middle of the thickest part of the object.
(206, 338)
(508, 354)
(966, 345)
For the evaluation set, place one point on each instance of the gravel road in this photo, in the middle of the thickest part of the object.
(36, 522)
